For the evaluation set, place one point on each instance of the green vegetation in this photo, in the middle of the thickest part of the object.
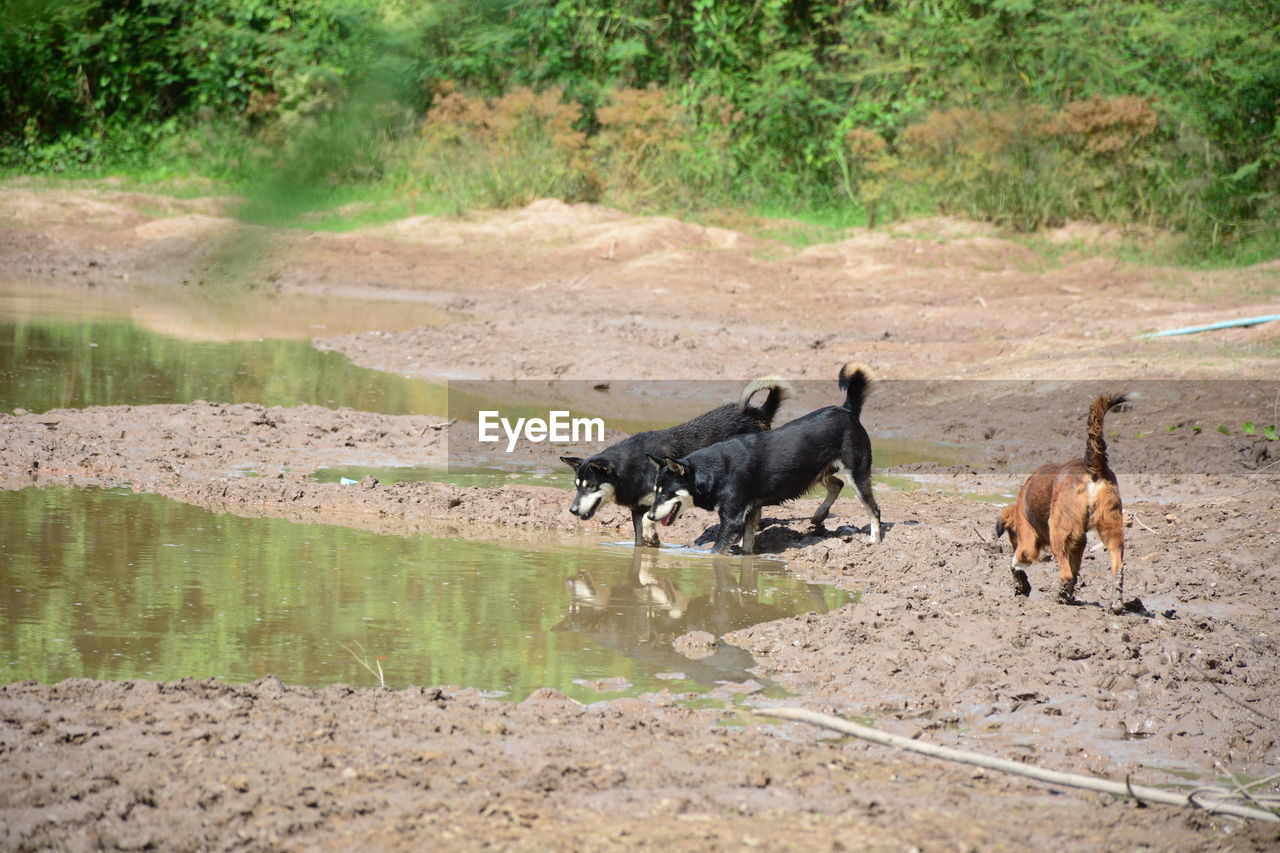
(1023, 113)
(1268, 432)
(1249, 428)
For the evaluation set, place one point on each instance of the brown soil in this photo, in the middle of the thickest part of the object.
(937, 647)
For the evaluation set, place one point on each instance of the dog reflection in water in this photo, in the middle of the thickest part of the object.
(654, 592)
(646, 607)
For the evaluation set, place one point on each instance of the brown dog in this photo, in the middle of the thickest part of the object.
(1059, 503)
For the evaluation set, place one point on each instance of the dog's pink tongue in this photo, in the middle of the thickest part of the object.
(670, 517)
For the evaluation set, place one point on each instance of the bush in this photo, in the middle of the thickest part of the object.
(501, 152)
(1026, 113)
(1029, 167)
(83, 69)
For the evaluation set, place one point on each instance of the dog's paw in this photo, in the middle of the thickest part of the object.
(1067, 592)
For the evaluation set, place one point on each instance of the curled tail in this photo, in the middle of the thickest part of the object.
(763, 413)
(855, 380)
(1095, 449)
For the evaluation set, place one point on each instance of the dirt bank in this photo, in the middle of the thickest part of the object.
(580, 291)
(937, 646)
(204, 765)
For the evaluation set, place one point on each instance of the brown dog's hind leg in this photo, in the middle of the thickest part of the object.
(1008, 525)
(1068, 548)
(1112, 535)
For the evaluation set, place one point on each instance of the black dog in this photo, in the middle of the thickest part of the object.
(621, 475)
(739, 475)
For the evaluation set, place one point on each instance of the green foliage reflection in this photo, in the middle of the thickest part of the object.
(114, 585)
(55, 364)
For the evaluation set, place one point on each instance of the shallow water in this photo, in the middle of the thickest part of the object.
(911, 482)
(219, 312)
(68, 346)
(73, 363)
(112, 585)
(54, 364)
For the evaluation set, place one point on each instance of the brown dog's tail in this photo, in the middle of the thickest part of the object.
(1095, 449)
(764, 412)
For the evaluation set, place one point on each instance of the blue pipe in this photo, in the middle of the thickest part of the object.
(1223, 324)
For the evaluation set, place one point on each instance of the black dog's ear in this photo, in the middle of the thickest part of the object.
(657, 463)
(572, 461)
(602, 467)
(676, 468)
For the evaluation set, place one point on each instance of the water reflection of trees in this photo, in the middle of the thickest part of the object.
(72, 364)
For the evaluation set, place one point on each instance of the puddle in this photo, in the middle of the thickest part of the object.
(50, 364)
(72, 347)
(891, 451)
(221, 313)
(1183, 778)
(112, 585)
(914, 482)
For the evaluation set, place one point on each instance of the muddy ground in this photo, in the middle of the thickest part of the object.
(937, 647)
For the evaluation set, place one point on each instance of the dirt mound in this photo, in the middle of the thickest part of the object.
(590, 228)
(658, 234)
(883, 253)
(1098, 234)
(543, 221)
(29, 206)
(943, 228)
(98, 208)
(190, 225)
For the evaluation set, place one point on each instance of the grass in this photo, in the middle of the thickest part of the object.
(1149, 248)
(187, 186)
(350, 210)
(363, 659)
(798, 229)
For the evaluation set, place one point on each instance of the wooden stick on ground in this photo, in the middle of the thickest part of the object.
(1197, 799)
(1144, 527)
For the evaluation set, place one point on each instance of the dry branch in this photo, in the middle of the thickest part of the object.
(1196, 799)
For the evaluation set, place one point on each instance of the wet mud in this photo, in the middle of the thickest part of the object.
(1183, 688)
